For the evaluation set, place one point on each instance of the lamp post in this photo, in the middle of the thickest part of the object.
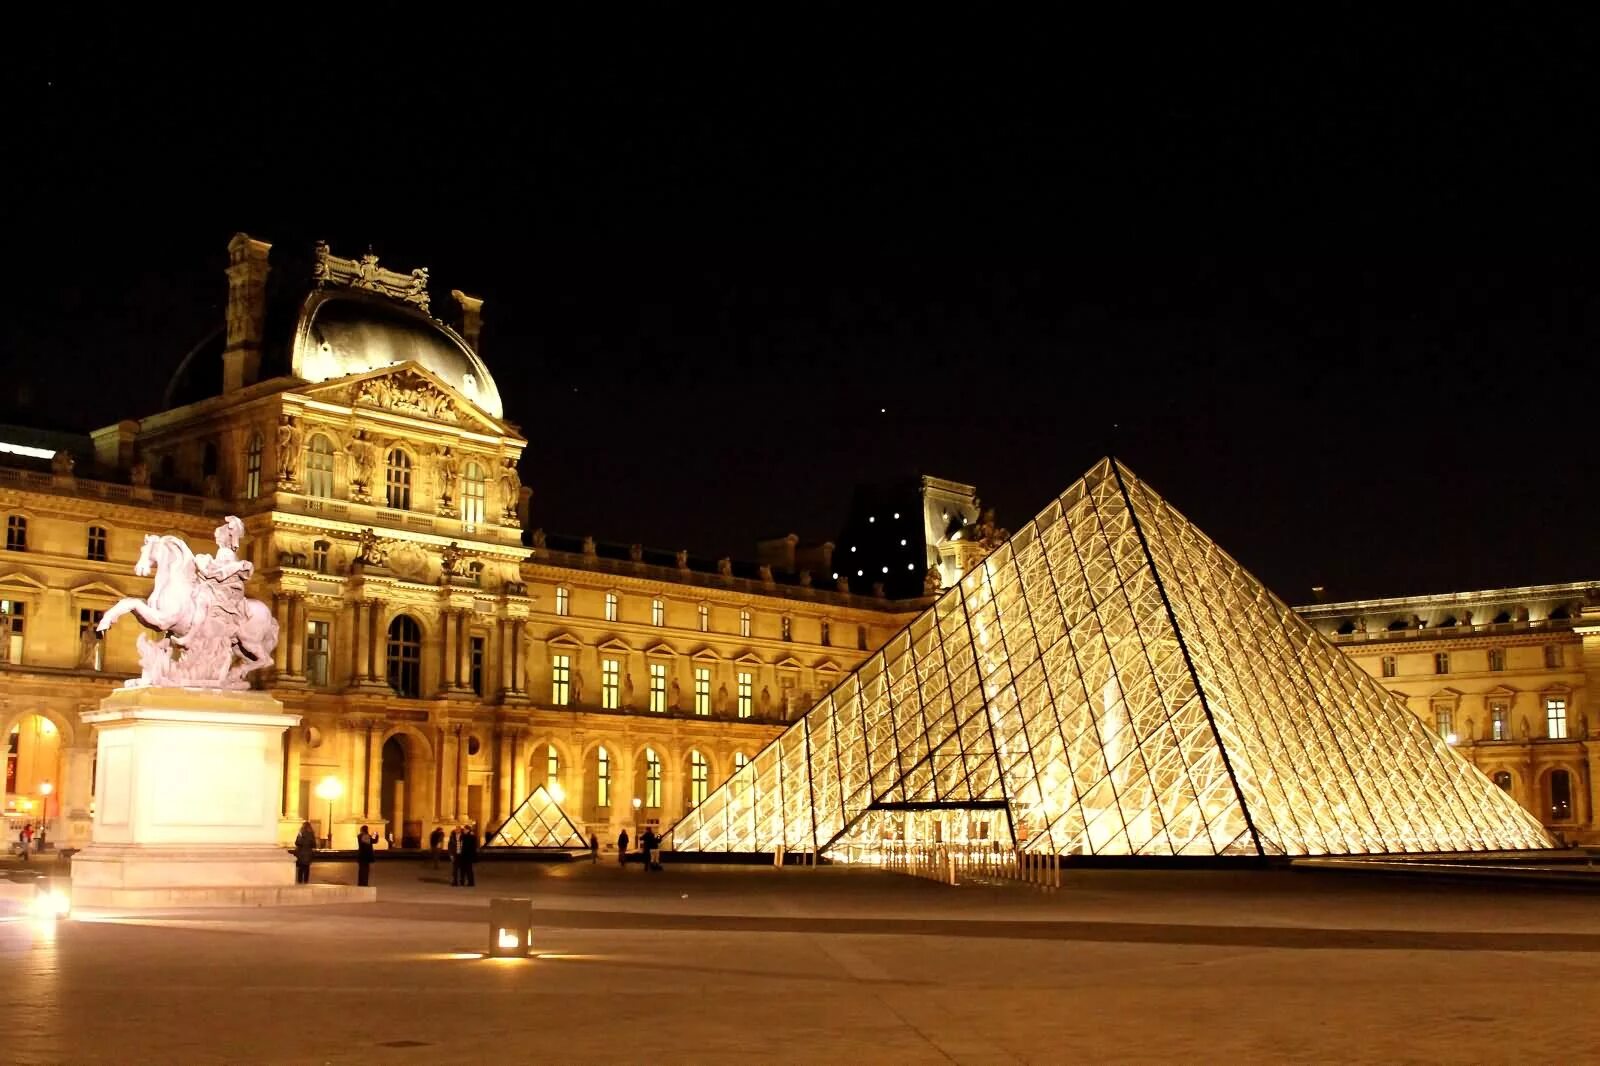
(45, 788)
(330, 789)
(637, 803)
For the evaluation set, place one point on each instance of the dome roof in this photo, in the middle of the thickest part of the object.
(345, 331)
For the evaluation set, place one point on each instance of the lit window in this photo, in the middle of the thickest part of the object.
(13, 616)
(1442, 721)
(319, 467)
(602, 777)
(747, 701)
(473, 488)
(1502, 779)
(652, 779)
(317, 649)
(252, 468)
(97, 544)
(788, 627)
(1560, 795)
(824, 631)
(1555, 716)
(610, 676)
(552, 767)
(1497, 658)
(1389, 666)
(477, 653)
(1499, 721)
(611, 607)
(1552, 656)
(319, 556)
(90, 642)
(744, 623)
(702, 690)
(16, 533)
(563, 600)
(658, 687)
(397, 480)
(705, 618)
(740, 761)
(405, 657)
(560, 680)
(658, 613)
(736, 787)
(1441, 662)
(699, 778)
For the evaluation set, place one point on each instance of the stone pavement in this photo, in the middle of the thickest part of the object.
(751, 964)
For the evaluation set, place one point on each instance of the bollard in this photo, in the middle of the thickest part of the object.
(510, 928)
(952, 869)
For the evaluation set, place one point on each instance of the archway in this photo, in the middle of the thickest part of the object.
(35, 747)
(396, 804)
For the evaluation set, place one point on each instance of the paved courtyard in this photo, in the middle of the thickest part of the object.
(750, 964)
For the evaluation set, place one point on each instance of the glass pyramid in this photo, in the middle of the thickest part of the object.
(539, 822)
(1110, 682)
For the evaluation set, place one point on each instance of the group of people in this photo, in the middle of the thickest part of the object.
(305, 849)
(462, 847)
(649, 846)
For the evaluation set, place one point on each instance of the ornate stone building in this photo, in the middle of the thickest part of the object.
(443, 668)
(1505, 672)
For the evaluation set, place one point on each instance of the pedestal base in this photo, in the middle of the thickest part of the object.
(184, 897)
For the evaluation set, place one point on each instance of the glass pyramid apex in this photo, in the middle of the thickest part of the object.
(1110, 682)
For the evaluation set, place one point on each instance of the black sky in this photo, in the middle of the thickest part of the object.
(1331, 288)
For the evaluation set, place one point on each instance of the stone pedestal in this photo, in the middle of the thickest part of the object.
(188, 797)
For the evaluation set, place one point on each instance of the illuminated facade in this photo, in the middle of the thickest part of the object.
(1109, 682)
(444, 668)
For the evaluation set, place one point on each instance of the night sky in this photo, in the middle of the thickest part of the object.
(1331, 290)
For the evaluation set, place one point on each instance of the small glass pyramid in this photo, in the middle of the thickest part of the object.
(1110, 682)
(539, 822)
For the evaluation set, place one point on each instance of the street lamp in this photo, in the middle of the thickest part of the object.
(45, 788)
(330, 789)
(637, 803)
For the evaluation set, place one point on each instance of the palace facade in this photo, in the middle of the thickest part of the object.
(446, 659)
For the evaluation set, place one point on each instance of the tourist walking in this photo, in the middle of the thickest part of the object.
(364, 844)
(305, 848)
(454, 848)
(594, 849)
(622, 848)
(650, 843)
(25, 838)
(468, 856)
(435, 847)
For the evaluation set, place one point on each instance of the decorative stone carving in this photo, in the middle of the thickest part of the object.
(675, 696)
(538, 539)
(987, 533)
(577, 687)
(450, 560)
(510, 492)
(636, 552)
(365, 273)
(212, 635)
(371, 550)
(289, 438)
(766, 574)
(725, 566)
(683, 559)
(842, 584)
(766, 702)
(407, 392)
(722, 698)
(588, 546)
(139, 474)
(932, 583)
(62, 463)
(627, 691)
(805, 579)
(364, 463)
(407, 560)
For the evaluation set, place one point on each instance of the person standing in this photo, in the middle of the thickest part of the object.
(364, 854)
(26, 837)
(305, 848)
(622, 848)
(435, 847)
(594, 849)
(455, 856)
(468, 856)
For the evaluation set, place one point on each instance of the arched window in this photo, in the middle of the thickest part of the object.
(652, 779)
(1503, 779)
(473, 488)
(397, 480)
(1560, 795)
(602, 777)
(319, 467)
(252, 467)
(699, 778)
(405, 656)
(97, 544)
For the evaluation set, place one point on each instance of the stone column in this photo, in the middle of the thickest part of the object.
(463, 776)
(296, 636)
(291, 773)
(502, 777)
(622, 786)
(463, 644)
(77, 792)
(518, 682)
(446, 637)
(374, 617)
(280, 612)
(519, 767)
(357, 640)
(502, 655)
(449, 740)
(373, 806)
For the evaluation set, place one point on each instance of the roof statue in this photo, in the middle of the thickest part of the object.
(212, 634)
(1108, 681)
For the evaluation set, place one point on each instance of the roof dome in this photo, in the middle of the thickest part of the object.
(346, 331)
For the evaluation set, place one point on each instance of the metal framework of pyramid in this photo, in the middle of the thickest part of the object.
(539, 822)
(1110, 682)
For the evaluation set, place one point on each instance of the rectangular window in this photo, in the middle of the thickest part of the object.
(702, 690)
(319, 556)
(652, 780)
(552, 768)
(16, 533)
(91, 646)
(1555, 716)
(1389, 667)
(317, 651)
(560, 680)
(477, 651)
(658, 613)
(705, 618)
(1441, 662)
(1552, 656)
(611, 607)
(747, 699)
(1499, 721)
(699, 780)
(610, 684)
(1442, 722)
(13, 616)
(658, 687)
(1497, 659)
(744, 623)
(602, 778)
(97, 544)
(563, 601)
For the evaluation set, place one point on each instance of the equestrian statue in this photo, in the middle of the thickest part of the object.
(212, 634)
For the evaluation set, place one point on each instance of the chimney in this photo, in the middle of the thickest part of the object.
(471, 317)
(114, 445)
(247, 311)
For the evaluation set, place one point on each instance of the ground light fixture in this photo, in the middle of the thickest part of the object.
(330, 788)
(510, 928)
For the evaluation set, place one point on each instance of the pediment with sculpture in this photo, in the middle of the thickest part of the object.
(407, 389)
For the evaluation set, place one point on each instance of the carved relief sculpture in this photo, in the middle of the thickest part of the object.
(510, 493)
(932, 583)
(674, 696)
(364, 458)
(289, 438)
(538, 539)
(450, 559)
(408, 392)
(212, 635)
(139, 474)
(627, 691)
(365, 273)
